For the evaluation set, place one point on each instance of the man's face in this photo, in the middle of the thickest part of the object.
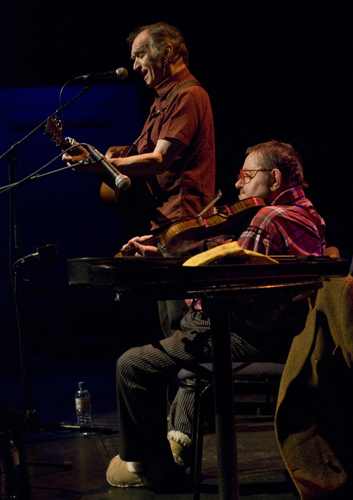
(151, 69)
(257, 183)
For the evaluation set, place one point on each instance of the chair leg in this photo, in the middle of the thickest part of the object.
(198, 425)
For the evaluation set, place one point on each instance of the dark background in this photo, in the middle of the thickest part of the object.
(274, 70)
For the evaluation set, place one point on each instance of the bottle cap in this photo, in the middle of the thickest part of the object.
(81, 385)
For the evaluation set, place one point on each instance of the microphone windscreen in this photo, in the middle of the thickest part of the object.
(122, 73)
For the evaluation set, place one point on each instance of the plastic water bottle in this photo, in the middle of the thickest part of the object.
(83, 406)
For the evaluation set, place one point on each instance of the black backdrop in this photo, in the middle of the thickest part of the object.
(273, 69)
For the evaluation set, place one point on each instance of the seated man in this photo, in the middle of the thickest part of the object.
(288, 225)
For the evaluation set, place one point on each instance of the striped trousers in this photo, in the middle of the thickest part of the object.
(144, 373)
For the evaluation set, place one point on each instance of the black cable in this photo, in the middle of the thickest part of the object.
(34, 174)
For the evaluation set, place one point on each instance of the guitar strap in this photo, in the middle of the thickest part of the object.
(160, 111)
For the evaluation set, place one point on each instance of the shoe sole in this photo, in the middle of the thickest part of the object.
(137, 484)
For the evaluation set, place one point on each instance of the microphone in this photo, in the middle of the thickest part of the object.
(121, 181)
(118, 74)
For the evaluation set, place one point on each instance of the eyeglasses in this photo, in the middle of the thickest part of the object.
(246, 178)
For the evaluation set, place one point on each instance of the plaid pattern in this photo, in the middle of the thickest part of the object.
(281, 229)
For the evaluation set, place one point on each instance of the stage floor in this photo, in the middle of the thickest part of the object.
(53, 383)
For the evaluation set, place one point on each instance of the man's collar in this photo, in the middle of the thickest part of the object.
(164, 87)
(287, 196)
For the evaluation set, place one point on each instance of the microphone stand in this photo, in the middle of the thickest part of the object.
(44, 254)
(13, 206)
(16, 280)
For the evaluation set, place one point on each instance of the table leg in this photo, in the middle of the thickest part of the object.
(224, 402)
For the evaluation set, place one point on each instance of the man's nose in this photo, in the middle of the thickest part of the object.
(136, 65)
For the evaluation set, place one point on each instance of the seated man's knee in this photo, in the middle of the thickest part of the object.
(127, 364)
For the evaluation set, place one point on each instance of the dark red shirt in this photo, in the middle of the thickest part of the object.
(188, 184)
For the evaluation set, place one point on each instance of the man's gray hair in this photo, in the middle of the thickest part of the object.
(160, 35)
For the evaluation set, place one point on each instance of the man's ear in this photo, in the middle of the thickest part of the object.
(168, 52)
(276, 178)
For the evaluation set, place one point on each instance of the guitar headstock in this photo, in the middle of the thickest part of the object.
(53, 129)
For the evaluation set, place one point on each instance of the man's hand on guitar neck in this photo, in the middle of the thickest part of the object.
(73, 159)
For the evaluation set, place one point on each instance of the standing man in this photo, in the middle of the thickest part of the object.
(175, 153)
(289, 225)
(172, 163)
